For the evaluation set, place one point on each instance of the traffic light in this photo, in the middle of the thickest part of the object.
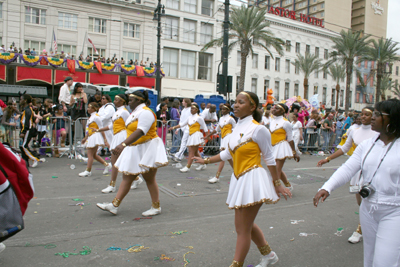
(223, 86)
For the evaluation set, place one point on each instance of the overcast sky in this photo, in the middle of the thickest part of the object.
(393, 20)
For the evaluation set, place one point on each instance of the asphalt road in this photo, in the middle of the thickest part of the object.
(194, 219)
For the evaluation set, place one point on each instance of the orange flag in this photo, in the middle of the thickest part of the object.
(71, 65)
(98, 66)
(139, 71)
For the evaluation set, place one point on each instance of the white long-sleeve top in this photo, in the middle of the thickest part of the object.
(193, 118)
(121, 112)
(144, 117)
(106, 113)
(207, 115)
(224, 120)
(387, 177)
(277, 122)
(357, 135)
(185, 114)
(65, 95)
(246, 129)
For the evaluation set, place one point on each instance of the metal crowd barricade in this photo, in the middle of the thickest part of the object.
(79, 134)
(10, 134)
(55, 141)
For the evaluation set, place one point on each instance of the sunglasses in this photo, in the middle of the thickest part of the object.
(378, 113)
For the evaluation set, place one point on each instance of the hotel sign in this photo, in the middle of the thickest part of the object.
(279, 11)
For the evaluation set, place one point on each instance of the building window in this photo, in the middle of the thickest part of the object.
(133, 56)
(397, 70)
(190, 6)
(314, 8)
(296, 69)
(39, 46)
(276, 91)
(315, 89)
(1, 10)
(341, 97)
(207, 7)
(316, 74)
(171, 28)
(288, 46)
(188, 62)
(239, 58)
(205, 61)
(97, 25)
(237, 83)
(325, 74)
(324, 92)
(35, 15)
(277, 64)
(326, 54)
(296, 89)
(307, 48)
(322, 5)
(317, 51)
(255, 61)
(288, 2)
(189, 31)
(254, 85)
(297, 48)
(266, 87)
(101, 52)
(170, 62)
(287, 67)
(68, 49)
(322, 14)
(173, 4)
(67, 21)
(267, 62)
(131, 30)
(286, 91)
(206, 33)
(333, 99)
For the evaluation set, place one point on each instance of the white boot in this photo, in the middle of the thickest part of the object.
(107, 168)
(201, 167)
(213, 180)
(35, 163)
(85, 174)
(184, 169)
(154, 210)
(355, 238)
(109, 189)
(269, 259)
(108, 207)
(137, 182)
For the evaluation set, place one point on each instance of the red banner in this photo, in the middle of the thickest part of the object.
(33, 74)
(141, 81)
(103, 79)
(3, 73)
(98, 66)
(71, 65)
(60, 75)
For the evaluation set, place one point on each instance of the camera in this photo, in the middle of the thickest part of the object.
(366, 190)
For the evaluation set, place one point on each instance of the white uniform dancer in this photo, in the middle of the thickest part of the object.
(106, 113)
(143, 152)
(93, 139)
(296, 132)
(225, 125)
(185, 114)
(355, 137)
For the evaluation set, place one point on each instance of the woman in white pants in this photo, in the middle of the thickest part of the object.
(297, 132)
(378, 159)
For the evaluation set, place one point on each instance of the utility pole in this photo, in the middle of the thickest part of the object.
(225, 50)
(158, 12)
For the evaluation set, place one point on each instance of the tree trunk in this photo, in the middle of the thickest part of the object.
(349, 72)
(305, 88)
(243, 58)
(378, 82)
(337, 96)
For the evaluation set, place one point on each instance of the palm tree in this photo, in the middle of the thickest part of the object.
(338, 73)
(348, 46)
(396, 90)
(383, 52)
(307, 64)
(385, 84)
(248, 29)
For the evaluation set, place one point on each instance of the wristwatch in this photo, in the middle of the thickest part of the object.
(123, 144)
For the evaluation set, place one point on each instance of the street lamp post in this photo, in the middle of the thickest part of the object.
(158, 12)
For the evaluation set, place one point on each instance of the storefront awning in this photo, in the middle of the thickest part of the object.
(103, 79)
(35, 74)
(60, 75)
(12, 90)
(141, 81)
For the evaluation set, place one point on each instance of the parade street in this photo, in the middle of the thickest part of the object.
(195, 224)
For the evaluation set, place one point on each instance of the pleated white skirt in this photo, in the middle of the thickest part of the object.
(195, 139)
(282, 150)
(118, 139)
(109, 136)
(139, 159)
(224, 142)
(96, 139)
(254, 187)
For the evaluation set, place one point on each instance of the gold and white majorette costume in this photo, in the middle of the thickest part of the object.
(250, 183)
(95, 138)
(148, 152)
(118, 127)
(265, 121)
(225, 125)
(195, 123)
(354, 138)
(281, 135)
